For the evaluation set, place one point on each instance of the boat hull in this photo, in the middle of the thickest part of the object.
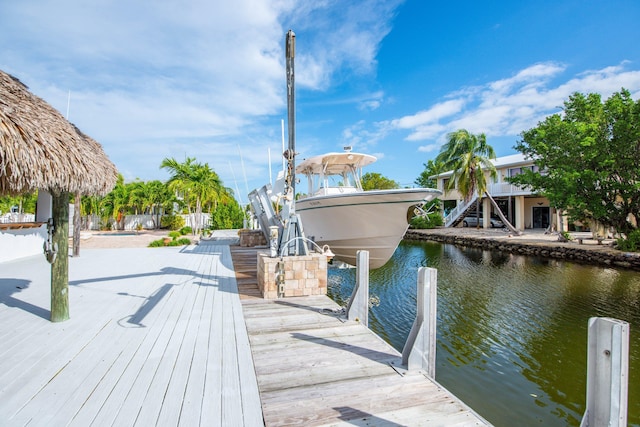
(374, 221)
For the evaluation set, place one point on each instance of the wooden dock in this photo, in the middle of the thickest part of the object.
(314, 368)
(160, 337)
(156, 338)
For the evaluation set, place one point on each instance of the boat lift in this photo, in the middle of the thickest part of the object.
(292, 240)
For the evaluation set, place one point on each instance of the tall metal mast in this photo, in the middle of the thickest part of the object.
(292, 240)
(291, 107)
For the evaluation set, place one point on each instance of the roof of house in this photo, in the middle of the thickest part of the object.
(511, 160)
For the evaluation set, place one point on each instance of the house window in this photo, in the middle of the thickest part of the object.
(514, 171)
(518, 171)
(445, 184)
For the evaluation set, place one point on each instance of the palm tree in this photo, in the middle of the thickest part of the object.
(469, 157)
(116, 202)
(154, 194)
(197, 182)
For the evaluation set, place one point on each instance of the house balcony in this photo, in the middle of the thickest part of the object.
(498, 189)
(503, 189)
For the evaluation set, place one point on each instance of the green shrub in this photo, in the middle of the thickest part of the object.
(631, 243)
(179, 242)
(186, 230)
(172, 222)
(431, 220)
(174, 234)
(166, 242)
(566, 236)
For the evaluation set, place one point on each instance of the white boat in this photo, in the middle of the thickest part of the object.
(337, 212)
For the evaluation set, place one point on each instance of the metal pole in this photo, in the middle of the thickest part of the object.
(291, 107)
(293, 225)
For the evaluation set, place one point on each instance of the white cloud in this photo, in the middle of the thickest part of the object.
(428, 148)
(509, 106)
(432, 115)
(151, 79)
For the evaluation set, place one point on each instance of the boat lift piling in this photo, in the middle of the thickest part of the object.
(607, 373)
(358, 307)
(419, 351)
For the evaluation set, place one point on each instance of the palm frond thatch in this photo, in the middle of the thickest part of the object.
(40, 149)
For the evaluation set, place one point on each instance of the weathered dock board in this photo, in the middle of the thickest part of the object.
(156, 337)
(314, 368)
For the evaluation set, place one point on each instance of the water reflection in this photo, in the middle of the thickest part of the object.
(512, 330)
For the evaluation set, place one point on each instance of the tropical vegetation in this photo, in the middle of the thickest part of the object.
(469, 157)
(376, 181)
(587, 159)
(24, 203)
(193, 188)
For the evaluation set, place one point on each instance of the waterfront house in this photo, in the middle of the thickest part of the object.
(522, 207)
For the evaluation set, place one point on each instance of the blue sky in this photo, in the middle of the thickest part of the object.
(205, 79)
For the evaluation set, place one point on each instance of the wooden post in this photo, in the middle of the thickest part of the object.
(358, 307)
(607, 373)
(60, 267)
(419, 351)
(76, 225)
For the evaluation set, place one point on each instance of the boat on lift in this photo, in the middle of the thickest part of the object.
(336, 211)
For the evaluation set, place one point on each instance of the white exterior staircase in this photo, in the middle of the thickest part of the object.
(458, 213)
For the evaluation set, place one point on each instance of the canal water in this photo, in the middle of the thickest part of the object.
(512, 330)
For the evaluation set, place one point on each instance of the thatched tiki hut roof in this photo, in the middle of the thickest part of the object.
(40, 149)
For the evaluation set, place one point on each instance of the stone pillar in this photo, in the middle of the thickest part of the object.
(303, 275)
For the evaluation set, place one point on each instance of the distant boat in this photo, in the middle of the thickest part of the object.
(336, 211)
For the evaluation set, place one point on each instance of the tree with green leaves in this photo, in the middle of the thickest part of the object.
(587, 159)
(26, 203)
(150, 198)
(376, 181)
(469, 157)
(431, 168)
(115, 203)
(195, 182)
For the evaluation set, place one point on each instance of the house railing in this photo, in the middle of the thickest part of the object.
(454, 215)
(499, 189)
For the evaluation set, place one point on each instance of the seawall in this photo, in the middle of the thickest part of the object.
(533, 244)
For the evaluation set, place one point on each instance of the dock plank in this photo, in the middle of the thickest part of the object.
(315, 368)
(144, 346)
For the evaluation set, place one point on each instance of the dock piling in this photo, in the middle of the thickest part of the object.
(419, 351)
(358, 307)
(607, 373)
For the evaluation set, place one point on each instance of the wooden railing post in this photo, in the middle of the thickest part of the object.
(358, 307)
(419, 351)
(607, 373)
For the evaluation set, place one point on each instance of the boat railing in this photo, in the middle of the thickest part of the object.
(332, 191)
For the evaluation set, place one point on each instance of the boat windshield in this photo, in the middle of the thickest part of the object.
(335, 182)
